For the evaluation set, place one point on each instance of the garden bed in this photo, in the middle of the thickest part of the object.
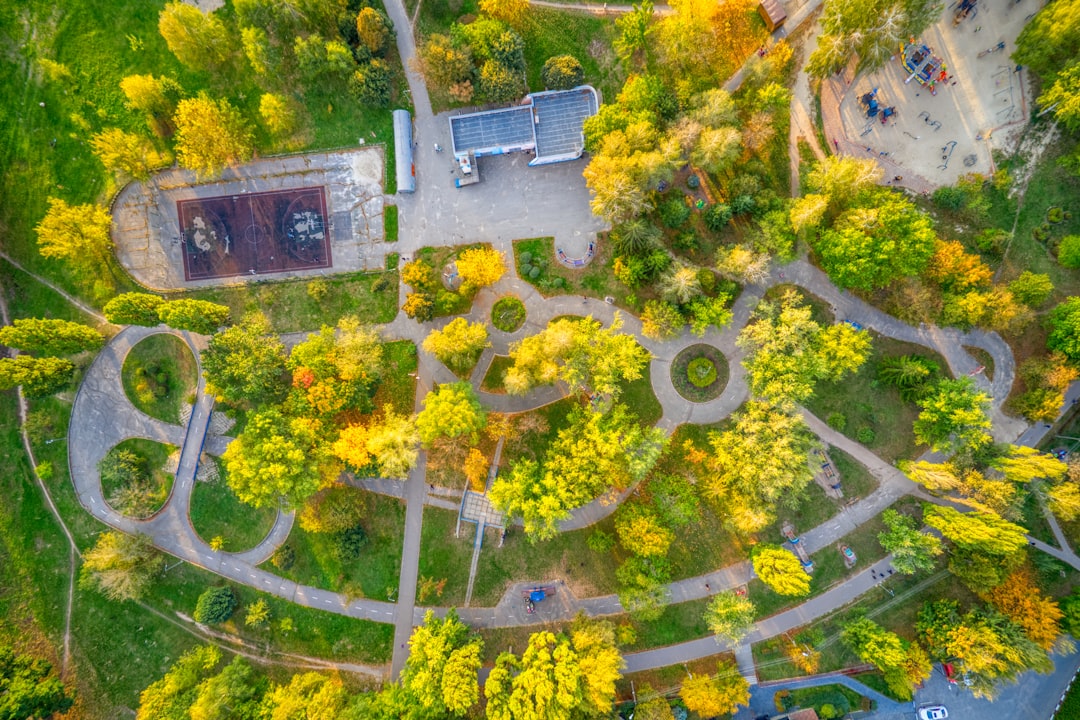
(699, 381)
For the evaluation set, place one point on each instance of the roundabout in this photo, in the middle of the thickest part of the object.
(699, 373)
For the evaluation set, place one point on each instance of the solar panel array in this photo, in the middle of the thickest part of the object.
(487, 132)
(560, 117)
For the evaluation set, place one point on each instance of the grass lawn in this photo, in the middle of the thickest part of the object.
(565, 557)
(857, 481)
(1050, 185)
(390, 223)
(985, 359)
(217, 512)
(291, 308)
(638, 395)
(446, 557)
(374, 574)
(159, 374)
(508, 313)
(496, 374)
(156, 455)
(840, 697)
(867, 404)
(27, 297)
(398, 385)
(678, 623)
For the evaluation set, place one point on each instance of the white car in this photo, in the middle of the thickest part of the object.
(933, 712)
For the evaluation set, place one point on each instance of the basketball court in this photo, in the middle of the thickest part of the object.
(254, 233)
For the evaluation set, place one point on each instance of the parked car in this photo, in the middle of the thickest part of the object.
(933, 712)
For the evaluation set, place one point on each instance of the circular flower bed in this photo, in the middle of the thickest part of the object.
(508, 313)
(699, 373)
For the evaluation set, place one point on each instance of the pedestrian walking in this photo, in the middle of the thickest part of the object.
(836, 144)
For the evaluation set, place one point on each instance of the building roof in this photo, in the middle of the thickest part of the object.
(549, 123)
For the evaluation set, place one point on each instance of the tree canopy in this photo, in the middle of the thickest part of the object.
(246, 362)
(198, 316)
(870, 30)
(50, 336)
(761, 462)
(912, 551)
(211, 135)
(780, 570)
(579, 352)
(954, 416)
(450, 411)
(121, 566)
(28, 687)
(441, 671)
(75, 233)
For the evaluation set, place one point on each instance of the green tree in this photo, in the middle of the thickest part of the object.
(245, 362)
(634, 29)
(373, 29)
(444, 64)
(954, 416)
(50, 336)
(39, 377)
(512, 12)
(661, 320)
(884, 239)
(730, 617)
(215, 605)
(579, 352)
(450, 411)
(170, 697)
(870, 30)
(211, 135)
(459, 344)
(121, 566)
(1024, 464)
(1065, 328)
(680, 283)
(333, 510)
(200, 41)
(983, 531)
(596, 451)
(912, 551)
(706, 312)
(1051, 40)
(440, 673)
(197, 316)
(641, 532)
(335, 372)
(1032, 289)
(905, 665)
(134, 308)
(155, 96)
(77, 233)
(562, 72)
(275, 460)
(258, 613)
(759, 463)
(780, 570)
(278, 115)
(234, 692)
(499, 83)
(788, 352)
(371, 83)
(28, 688)
(128, 153)
(643, 586)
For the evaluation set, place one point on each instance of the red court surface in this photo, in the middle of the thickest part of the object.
(254, 233)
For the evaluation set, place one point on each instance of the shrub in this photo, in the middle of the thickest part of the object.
(701, 372)
(1069, 251)
(534, 272)
(742, 204)
(674, 212)
(837, 421)
(318, 288)
(693, 182)
(562, 72)
(1055, 215)
(949, 197)
(707, 280)
(686, 241)
(215, 605)
(600, 541)
(992, 240)
(717, 216)
(525, 258)
(865, 435)
(348, 544)
(284, 557)
(381, 284)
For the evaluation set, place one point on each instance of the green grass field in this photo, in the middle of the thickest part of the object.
(291, 308)
(217, 512)
(374, 574)
(446, 557)
(159, 374)
(155, 455)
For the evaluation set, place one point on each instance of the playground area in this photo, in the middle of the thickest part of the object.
(945, 100)
(292, 216)
(254, 234)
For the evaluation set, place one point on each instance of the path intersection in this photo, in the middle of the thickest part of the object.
(552, 202)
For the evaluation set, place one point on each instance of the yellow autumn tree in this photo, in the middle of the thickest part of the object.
(476, 469)
(480, 267)
(1020, 599)
(351, 446)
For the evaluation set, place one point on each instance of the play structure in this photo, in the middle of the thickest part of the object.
(924, 66)
(796, 546)
(849, 556)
